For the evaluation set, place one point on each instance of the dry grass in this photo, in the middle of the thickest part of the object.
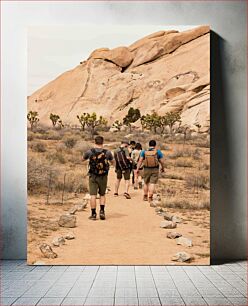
(198, 181)
(184, 204)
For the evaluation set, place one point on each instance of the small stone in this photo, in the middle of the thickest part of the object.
(87, 196)
(182, 257)
(157, 197)
(72, 210)
(81, 207)
(153, 204)
(168, 224)
(184, 241)
(69, 236)
(176, 219)
(173, 235)
(47, 251)
(67, 221)
(167, 216)
(39, 263)
(58, 241)
(159, 210)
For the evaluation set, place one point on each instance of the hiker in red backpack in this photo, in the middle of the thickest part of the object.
(99, 159)
(122, 162)
(151, 159)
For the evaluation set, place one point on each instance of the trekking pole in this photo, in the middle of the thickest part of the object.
(63, 191)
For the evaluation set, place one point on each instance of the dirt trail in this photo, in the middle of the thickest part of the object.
(129, 235)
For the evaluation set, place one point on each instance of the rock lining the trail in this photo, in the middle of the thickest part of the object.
(173, 235)
(47, 251)
(67, 221)
(184, 241)
(168, 224)
(69, 236)
(58, 241)
(182, 257)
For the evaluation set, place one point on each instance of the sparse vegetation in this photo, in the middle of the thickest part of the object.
(70, 142)
(38, 147)
(33, 119)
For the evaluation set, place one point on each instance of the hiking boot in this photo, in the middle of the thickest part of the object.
(135, 188)
(140, 185)
(92, 217)
(145, 197)
(127, 195)
(102, 215)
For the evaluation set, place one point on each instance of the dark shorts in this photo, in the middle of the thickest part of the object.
(123, 173)
(151, 175)
(98, 184)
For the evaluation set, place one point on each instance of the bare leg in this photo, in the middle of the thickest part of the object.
(127, 184)
(151, 190)
(102, 200)
(146, 186)
(93, 201)
(117, 185)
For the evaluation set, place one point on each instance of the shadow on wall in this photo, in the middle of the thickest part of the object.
(225, 238)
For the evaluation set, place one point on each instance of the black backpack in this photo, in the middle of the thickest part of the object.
(121, 160)
(98, 162)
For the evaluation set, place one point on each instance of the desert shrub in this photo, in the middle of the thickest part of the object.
(38, 147)
(38, 175)
(180, 153)
(183, 163)
(198, 181)
(70, 142)
(76, 182)
(184, 204)
(171, 176)
(164, 147)
(82, 146)
(54, 135)
(56, 157)
(196, 154)
(30, 137)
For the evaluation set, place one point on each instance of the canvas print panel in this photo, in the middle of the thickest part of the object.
(119, 146)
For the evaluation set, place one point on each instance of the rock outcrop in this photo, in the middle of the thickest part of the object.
(164, 71)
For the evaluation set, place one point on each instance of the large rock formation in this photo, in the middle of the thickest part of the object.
(165, 71)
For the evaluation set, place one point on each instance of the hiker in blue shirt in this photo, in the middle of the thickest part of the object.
(151, 160)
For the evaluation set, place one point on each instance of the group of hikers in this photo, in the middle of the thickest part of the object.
(130, 162)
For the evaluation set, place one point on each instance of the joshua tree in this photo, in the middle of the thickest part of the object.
(132, 116)
(83, 120)
(172, 118)
(117, 124)
(151, 122)
(55, 119)
(93, 122)
(32, 118)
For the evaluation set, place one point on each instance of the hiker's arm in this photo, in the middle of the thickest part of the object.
(161, 161)
(112, 162)
(139, 163)
(85, 157)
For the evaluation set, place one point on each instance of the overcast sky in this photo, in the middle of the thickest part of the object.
(54, 49)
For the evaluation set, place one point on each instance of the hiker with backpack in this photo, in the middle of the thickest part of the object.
(131, 147)
(123, 168)
(99, 159)
(151, 159)
(135, 158)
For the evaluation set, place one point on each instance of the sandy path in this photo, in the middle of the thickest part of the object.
(129, 235)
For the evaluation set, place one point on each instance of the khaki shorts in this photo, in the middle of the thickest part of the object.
(98, 184)
(151, 175)
(124, 173)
